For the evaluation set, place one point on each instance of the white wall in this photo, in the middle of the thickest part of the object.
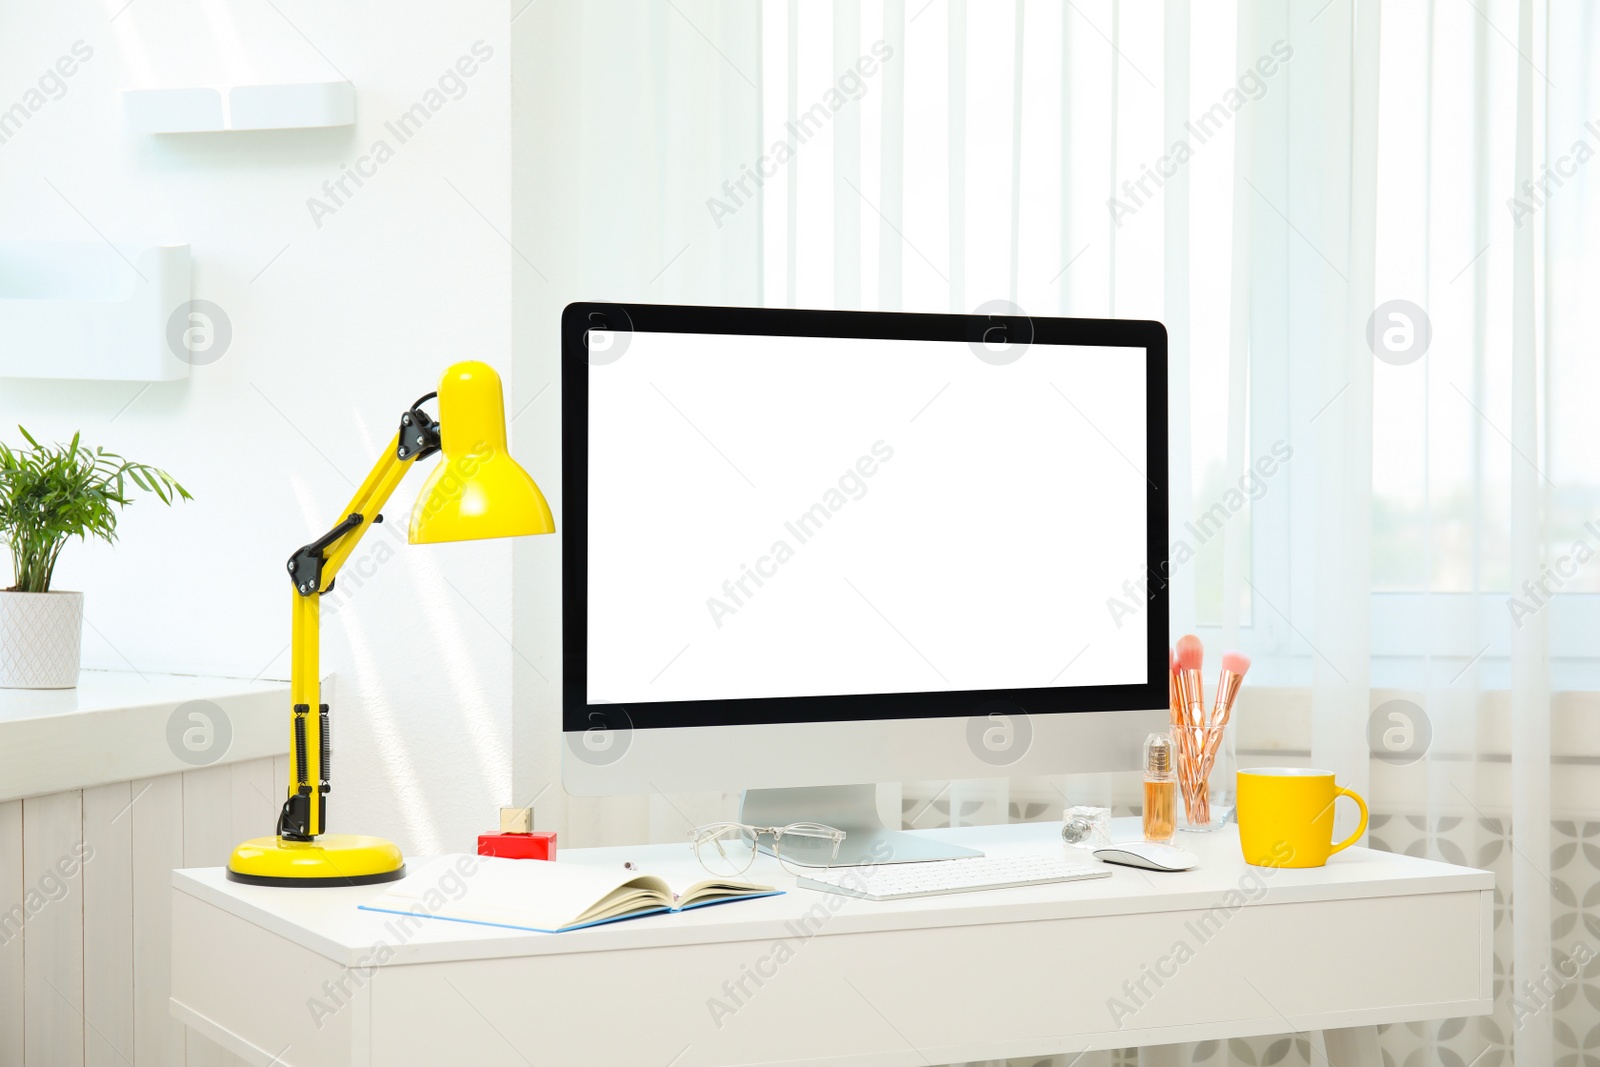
(336, 327)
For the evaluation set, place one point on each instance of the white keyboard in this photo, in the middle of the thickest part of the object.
(895, 881)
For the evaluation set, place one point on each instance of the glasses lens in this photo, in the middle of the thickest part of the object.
(725, 849)
(807, 846)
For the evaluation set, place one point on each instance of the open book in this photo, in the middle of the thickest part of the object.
(545, 897)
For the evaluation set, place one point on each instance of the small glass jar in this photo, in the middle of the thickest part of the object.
(1086, 827)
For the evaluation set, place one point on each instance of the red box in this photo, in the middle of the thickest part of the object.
(539, 845)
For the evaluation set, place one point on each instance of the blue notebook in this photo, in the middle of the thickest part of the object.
(545, 897)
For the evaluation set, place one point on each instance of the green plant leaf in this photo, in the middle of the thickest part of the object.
(50, 493)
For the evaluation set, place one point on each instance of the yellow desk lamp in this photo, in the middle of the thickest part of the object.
(477, 491)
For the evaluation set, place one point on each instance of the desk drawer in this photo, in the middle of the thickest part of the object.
(949, 995)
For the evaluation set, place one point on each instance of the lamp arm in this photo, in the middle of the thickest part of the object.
(304, 814)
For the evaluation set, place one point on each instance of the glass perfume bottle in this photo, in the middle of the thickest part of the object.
(1160, 790)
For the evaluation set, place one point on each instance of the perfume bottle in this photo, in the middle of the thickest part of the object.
(1160, 790)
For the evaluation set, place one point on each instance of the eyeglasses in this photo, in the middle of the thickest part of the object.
(728, 849)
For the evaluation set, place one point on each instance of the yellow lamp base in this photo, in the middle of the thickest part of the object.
(330, 860)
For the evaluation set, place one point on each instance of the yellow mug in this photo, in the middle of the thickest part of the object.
(1286, 816)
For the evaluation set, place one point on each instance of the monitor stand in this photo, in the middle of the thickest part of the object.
(851, 808)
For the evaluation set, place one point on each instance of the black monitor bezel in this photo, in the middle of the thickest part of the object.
(579, 715)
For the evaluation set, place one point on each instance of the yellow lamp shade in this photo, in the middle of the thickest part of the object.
(477, 490)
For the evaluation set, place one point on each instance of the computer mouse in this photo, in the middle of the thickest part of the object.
(1149, 855)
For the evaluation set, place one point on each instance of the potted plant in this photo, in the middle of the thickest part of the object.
(49, 493)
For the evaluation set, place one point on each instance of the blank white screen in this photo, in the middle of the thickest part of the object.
(968, 523)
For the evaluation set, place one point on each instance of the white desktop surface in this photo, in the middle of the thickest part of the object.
(1371, 938)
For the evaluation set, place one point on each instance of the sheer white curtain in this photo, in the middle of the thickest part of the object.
(1417, 579)
(1274, 180)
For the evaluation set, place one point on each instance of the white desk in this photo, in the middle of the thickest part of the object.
(1371, 938)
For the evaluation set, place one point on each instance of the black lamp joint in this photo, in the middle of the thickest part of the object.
(305, 566)
(419, 434)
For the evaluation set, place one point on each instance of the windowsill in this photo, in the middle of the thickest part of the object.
(117, 726)
(1487, 671)
(1465, 726)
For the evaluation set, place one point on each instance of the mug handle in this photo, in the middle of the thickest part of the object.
(1340, 791)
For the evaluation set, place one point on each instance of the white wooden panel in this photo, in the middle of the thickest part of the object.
(208, 839)
(207, 816)
(104, 940)
(108, 925)
(52, 843)
(157, 815)
(280, 782)
(257, 797)
(11, 923)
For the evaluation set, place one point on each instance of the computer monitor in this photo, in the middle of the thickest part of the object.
(810, 551)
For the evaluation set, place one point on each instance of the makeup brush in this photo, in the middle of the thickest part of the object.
(1191, 654)
(1234, 666)
(1173, 699)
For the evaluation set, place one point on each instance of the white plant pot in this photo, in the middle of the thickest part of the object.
(41, 637)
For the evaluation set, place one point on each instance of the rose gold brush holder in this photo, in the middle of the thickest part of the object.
(1207, 766)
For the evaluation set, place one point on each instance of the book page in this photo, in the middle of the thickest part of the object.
(714, 889)
(531, 894)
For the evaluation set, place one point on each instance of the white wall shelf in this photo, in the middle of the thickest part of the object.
(77, 310)
(305, 105)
